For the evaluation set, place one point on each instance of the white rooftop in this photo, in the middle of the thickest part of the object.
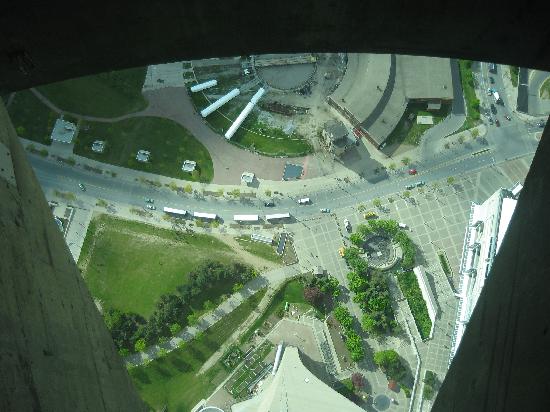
(295, 389)
(98, 146)
(247, 177)
(143, 156)
(189, 166)
(63, 131)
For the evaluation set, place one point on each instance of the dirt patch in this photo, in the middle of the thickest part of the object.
(256, 261)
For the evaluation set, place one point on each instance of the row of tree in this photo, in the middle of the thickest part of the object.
(132, 332)
(354, 343)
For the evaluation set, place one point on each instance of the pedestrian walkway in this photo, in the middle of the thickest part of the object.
(269, 279)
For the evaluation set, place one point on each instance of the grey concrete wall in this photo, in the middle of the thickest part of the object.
(55, 352)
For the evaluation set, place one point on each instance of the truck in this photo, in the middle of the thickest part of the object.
(498, 100)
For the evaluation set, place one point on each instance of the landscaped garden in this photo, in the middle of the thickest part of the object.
(31, 118)
(108, 94)
(163, 280)
(262, 250)
(169, 143)
(253, 134)
(172, 381)
(370, 286)
(409, 131)
(472, 102)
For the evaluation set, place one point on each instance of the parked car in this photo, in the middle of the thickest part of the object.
(82, 187)
(412, 171)
(493, 109)
(269, 203)
(325, 210)
(420, 183)
(497, 123)
(149, 200)
(403, 225)
(304, 201)
(370, 215)
(347, 225)
(508, 117)
(541, 124)
(150, 206)
(409, 187)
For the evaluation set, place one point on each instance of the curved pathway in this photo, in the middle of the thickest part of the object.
(175, 104)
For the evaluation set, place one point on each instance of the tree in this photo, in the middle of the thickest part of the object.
(356, 282)
(392, 166)
(237, 287)
(368, 323)
(358, 381)
(140, 345)
(356, 239)
(406, 161)
(268, 193)
(192, 319)
(406, 194)
(390, 199)
(188, 188)
(377, 203)
(390, 362)
(175, 328)
(450, 180)
(313, 295)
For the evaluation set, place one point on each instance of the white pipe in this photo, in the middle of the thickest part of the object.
(205, 85)
(220, 102)
(277, 358)
(243, 115)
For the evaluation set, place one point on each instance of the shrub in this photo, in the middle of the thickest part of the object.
(188, 189)
(175, 328)
(358, 380)
(140, 345)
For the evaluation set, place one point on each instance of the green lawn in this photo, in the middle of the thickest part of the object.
(108, 94)
(169, 143)
(131, 264)
(252, 133)
(259, 249)
(408, 132)
(545, 89)
(172, 380)
(31, 118)
(292, 292)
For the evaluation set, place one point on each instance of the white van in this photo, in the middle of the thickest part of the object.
(304, 201)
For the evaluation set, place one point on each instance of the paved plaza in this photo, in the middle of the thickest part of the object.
(436, 216)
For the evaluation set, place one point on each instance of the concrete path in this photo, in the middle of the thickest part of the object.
(272, 277)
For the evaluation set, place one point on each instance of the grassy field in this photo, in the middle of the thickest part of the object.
(172, 380)
(31, 118)
(169, 143)
(292, 292)
(545, 89)
(254, 134)
(410, 133)
(108, 94)
(259, 249)
(129, 265)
